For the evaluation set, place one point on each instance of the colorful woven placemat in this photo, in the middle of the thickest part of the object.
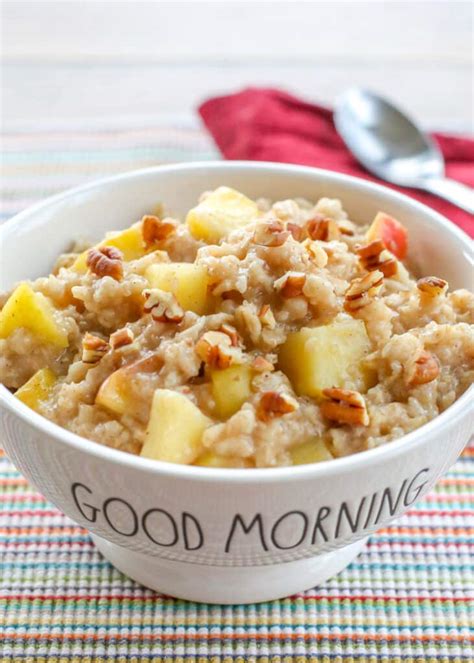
(407, 597)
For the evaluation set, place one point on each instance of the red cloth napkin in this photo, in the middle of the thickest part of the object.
(269, 125)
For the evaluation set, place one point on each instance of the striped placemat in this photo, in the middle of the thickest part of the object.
(407, 597)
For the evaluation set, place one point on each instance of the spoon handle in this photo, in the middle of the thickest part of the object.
(457, 193)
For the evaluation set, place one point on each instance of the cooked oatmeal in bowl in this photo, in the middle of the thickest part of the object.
(250, 334)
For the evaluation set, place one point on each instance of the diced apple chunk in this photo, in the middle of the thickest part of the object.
(188, 282)
(128, 241)
(392, 233)
(328, 356)
(313, 451)
(231, 387)
(116, 392)
(210, 459)
(221, 212)
(37, 389)
(113, 393)
(175, 428)
(31, 310)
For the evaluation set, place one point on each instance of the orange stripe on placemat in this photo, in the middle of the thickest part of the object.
(50, 529)
(424, 530)
(465, 481)
(15, 481)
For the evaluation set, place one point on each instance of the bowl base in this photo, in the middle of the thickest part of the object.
(223, 584)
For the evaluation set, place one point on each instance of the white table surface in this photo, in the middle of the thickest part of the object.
(109, 63)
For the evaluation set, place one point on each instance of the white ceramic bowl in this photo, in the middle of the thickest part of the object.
(226, 536)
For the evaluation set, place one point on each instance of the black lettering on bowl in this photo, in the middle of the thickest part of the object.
(354, 525)
(290, 530)
(281, 519)
(118, 500)
(188, 521)
(323, 513)
(175, 536)
(239, 520)
(80, 506)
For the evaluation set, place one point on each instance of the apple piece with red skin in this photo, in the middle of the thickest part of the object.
(392, 233)
(115, 392)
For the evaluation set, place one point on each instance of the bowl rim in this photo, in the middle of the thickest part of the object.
(450, 417)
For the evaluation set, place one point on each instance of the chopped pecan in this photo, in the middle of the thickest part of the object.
(232, 295)
(424, 370)
(345, 228)
(316, 252)
(266, 317)
(271, 233)
(120, 338)
(232, 333)
(361, 291)
(216, 350)
(432, 286)
(323, 229)
(105, 261)
(374, 256)
(162, 306)
(345, 407)
(291, 284)
(295, 230)
(262, 365)
(93, 348)
(155, 230)
(274, 404)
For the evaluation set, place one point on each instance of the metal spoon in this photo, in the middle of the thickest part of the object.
(392, 147)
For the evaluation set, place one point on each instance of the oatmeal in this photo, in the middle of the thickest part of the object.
(249, 335)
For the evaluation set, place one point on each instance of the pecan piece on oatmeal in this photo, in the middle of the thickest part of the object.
(432, 286)
(93, 348)
(121, 338)
(262, 365)
(345, 406)
(271, 233)
(274, 404)
(162, 306)
(216, 350)
(295, 230)
(105, 261)
(232, 333)
(291, 284)
(346, 227)
(316, 253)
(155, 229)
(232, 296)
(424, 369)
(322, 228)
(266, 317)
(362, 290)
(374, 256)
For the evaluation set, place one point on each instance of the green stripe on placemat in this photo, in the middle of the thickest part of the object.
(406, 598)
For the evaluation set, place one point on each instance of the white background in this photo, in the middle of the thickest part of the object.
(110, 62)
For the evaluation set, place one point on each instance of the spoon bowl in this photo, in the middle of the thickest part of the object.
(391, 146)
